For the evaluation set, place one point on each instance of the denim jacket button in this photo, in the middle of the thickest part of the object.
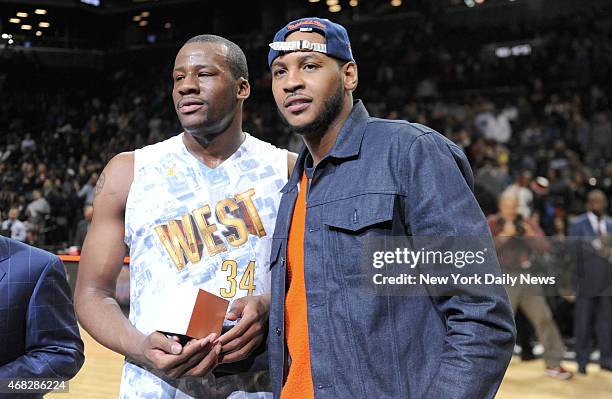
(278, 331)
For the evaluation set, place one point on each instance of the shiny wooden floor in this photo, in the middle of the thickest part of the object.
(101, 373)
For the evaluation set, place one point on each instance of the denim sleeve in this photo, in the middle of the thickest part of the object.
(53, 345)
(480, 330)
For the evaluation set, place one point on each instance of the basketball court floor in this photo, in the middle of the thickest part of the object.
(99, 379)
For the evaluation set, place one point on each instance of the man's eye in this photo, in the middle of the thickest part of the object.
(177, 78)
(278, 72)
(310, 67)
(201, 74)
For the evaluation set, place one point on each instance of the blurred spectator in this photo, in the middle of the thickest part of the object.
(28, 144)
(88, 190)
(524, 196)
(37, 209)
(518, 241)
(594, 286)
(83, 226)
(14, 226)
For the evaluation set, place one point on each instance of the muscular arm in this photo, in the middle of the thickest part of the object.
(101, 262)
(102, 259)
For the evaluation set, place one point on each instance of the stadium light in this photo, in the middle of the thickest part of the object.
(145, 14)
(335, 8)
(479, 1)
(143, 23)
(26, 27)
(44, 24)
(167, 25)
(331, 3)
(136, 18)
(14, 20)
(11, 41)
(5, 36)
(353, 3)
(314, 1)
(38, 33)
(469, 3)
(396, 3)
(40, 11)
(22, 14)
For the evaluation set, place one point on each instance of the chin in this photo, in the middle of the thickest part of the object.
(299, 121)
(192, 123)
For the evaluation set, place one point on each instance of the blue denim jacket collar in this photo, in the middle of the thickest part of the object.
(347, 145)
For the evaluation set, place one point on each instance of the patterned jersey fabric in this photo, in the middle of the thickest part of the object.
(188, 225)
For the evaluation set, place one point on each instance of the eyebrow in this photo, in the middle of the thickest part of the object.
(197, 66)
(300, 59)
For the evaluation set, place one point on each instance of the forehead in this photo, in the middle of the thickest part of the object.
(201, 53)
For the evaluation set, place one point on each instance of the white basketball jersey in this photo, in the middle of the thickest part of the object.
(188, 225)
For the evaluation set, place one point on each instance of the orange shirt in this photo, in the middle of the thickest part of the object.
(299, 380)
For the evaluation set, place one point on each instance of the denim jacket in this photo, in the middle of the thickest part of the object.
(380, 172)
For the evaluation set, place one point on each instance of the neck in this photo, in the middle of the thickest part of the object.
(213, 149)
(319, 145)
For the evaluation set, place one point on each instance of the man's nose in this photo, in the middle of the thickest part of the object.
(189, 84)
(294, 82)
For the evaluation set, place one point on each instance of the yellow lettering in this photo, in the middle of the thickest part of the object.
(246, 201)
(247, 282)
(179, 241)
(233, 266)
(241, 234)
(214, 246)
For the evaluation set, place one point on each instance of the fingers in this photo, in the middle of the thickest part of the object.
(243, 352)
(237, 308)
(254, 330)
(236, 331)
(209, 362)
(160, 341)
(166, 362)
(192, 361)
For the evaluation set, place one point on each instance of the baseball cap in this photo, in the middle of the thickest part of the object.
(336, 44)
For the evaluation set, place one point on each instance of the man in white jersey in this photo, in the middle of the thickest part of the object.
(196, 210)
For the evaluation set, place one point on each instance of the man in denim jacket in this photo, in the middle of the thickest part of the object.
(358, 177)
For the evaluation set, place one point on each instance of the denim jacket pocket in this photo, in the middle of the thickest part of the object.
(352, 227)
(359, 212)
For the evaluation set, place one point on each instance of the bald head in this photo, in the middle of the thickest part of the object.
(235, 56)
(597, 202)
(508, 205)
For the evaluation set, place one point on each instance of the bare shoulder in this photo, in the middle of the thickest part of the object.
(291, 160)
(116, 178)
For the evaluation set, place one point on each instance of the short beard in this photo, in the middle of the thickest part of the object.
(331, 109)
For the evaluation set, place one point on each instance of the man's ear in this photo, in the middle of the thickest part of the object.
(244, 89)
(350, 76)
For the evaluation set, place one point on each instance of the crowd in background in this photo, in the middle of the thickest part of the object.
(541, 122)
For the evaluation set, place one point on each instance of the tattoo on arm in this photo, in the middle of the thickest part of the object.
(100, 184)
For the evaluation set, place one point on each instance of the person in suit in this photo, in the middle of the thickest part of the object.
(594, 281)
(39, 336)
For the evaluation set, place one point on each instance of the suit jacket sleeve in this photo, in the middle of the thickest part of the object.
(480, 330)
(53, 346)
